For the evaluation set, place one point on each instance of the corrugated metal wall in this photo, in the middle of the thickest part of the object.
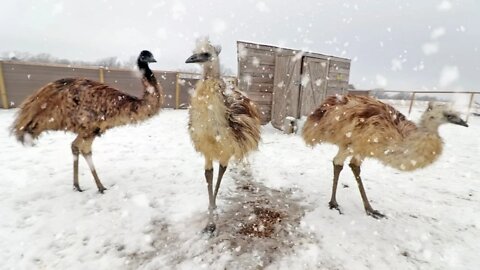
(18, 80)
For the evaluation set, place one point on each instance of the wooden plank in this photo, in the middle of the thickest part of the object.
(3, 90)
(177, 92)
(254, 66)
(335, 90)
(259, 70)
(336, 69)
(266, 56)
(337, 84)
(285, 90)
(261, 98)
(333, 76)
(313, 93)
(340, 65)
(263, 78)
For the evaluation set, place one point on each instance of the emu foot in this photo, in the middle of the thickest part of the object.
(102, 189)
(77, 188)
(375, 214)
(334, 205)
(210, 229)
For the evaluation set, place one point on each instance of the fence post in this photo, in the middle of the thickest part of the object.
(177, 91)
(3, 90)
(101, 75)
(469, 106)
(411, 103)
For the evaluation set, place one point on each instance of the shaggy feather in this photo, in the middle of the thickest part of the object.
(84, 107)
(370, 128)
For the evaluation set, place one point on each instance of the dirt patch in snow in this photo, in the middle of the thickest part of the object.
(256, 226)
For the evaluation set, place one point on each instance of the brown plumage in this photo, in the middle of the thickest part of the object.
(223, 123)
(87, 108)
(364, 127)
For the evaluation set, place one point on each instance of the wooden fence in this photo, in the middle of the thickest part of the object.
(414, 95)
(20, 79)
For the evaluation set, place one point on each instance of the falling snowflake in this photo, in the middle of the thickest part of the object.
(430, 48)
(448, 75)
(381, 80)
(219, 26)
(445, 5)
(262, 7)
(437, 32)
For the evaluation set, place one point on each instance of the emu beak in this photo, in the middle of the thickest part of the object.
(462, 123)
(197, 58)
(458, 121)
(151, 60)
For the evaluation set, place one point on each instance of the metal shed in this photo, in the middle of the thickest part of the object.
(286, 82)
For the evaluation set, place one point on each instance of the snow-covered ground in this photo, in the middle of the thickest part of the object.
(153, 212)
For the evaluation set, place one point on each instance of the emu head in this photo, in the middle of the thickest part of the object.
(204, 52)
(146, 57)
(438, 113)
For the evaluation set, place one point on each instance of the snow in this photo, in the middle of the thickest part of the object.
(381, 80)
(438, 32)
(430, 48)
(448, 75)
(445, 5)
(155, 207)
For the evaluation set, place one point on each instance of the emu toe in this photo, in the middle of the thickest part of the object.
(210, 228)
(334, 205)
(375, 214)
(102, 189)
(77, 188)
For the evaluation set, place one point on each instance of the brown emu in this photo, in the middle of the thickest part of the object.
(364, 127)
(87, 108)
(223, 123)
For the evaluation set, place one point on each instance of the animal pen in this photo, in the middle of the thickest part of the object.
(286, 83)
(20, 79)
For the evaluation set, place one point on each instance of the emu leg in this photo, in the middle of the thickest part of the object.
(75, 152)
(211, 206)
(221, 172)
(338, 161)
(88, 158)
(86, 151)
(368, 208)
(333, 200)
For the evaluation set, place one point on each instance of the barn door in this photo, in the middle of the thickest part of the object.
(314, 84)
(286, 88)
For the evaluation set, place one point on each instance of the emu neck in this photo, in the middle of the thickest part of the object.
(211, 69)
(428, 125)
(147, 73)
(419, 149)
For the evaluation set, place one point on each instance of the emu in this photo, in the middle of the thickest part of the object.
(364, 127)
(86, 108)
(222, 123)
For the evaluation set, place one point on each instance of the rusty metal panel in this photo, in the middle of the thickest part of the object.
(187, 86)
(21, 80)
(168, 82)
(128, 81)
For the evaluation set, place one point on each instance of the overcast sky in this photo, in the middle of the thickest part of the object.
(431, 44)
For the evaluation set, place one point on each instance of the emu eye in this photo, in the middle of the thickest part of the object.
(449, 116)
